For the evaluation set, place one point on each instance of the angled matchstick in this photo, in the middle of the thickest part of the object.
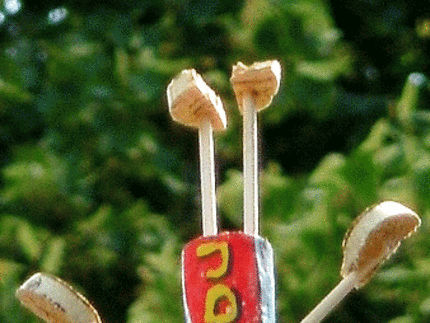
(372, 239)
(193, 103)
(254, 86)
(55, 301)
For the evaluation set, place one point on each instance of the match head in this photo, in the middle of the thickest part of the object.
(261, 80)
(54, 301)
(192, 101)
(374, 237)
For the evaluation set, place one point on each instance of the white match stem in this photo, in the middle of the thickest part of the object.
(331, 300)
(207, 175)
(250, 166)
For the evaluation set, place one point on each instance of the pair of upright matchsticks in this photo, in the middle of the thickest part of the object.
(193, 103)
(218, 286)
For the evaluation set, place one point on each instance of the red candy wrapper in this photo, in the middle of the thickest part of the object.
(228, 278)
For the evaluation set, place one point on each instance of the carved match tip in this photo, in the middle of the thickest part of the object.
(191, 101)
(55, 301)
(261, 80)
(374, 237)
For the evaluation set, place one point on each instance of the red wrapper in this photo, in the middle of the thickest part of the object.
(228, 278)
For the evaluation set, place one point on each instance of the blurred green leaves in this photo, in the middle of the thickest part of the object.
(100, 187)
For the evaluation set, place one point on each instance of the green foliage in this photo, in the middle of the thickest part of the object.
(100, 187)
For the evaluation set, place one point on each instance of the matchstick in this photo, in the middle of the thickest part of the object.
(55, 301)
(255, 87)
(372, 239)
(195, 104)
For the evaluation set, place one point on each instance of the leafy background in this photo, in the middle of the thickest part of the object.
(100, 187)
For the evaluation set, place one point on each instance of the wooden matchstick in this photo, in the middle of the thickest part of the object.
(55, 301)
(255, 87)
(195, 104)
(372, 239)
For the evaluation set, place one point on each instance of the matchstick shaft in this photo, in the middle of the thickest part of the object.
(207, 169)
(331, 300)
(250, 166)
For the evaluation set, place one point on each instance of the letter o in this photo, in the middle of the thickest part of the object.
(214, 294)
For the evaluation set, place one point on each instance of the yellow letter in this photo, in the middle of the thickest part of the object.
(209, 248)
(214, 295)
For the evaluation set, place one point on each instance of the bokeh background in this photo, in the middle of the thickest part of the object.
(101, 188)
